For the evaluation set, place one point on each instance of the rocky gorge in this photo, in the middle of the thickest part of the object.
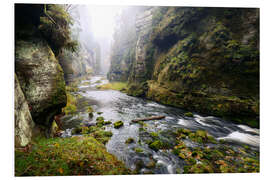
(181, 94)
(201, 59)
(41, 72)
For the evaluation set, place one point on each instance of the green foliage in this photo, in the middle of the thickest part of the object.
(158, 15)
(67, 156)
(55, 27)
(137, 89)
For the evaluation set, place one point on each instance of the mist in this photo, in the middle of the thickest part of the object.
(94, 26)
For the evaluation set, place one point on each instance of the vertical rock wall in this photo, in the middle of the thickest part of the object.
(23, 120)
(41, 78)
(200, 59)
(143, 30)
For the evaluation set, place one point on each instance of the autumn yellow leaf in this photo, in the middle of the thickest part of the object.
(56, 145)
(60, 170)
(81, 163)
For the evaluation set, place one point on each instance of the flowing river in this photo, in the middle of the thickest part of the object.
(116, 106)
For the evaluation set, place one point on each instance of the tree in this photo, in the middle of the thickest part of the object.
(55, 27)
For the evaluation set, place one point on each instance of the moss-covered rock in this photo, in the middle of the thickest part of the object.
(41, 78)
(156, 145)
(219, 158)
(118, 124)
(23, 121)
(100, 118)
(129, 140)
(138, 150)
(199, 59)
(189, 114)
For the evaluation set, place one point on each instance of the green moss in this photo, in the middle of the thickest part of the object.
(138, 150)
(118, 124)
(129, 140)
(76, 130)
(119, 86)
(189, 114)
(89, 109)
(214, 159)
(71, 106)
(154, 134)
(107, 122)
(100, 118)
(59, 87)
(72, 88)
(137, 89)
(67, 156)
(156, 145)
(199, 136)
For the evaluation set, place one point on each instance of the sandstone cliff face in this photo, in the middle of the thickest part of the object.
(201, 59)
(41, 78)
(77, 64)
(143, 25)
(23, 120)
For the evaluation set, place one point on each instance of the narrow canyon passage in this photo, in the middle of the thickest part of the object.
(102, 90)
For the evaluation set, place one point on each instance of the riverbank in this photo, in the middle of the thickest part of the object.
(78, 155)
(182, 142)
(116, 106)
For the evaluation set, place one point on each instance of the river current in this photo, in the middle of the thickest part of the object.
(116, 106)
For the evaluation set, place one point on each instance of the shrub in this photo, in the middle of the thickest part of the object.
(55, 27)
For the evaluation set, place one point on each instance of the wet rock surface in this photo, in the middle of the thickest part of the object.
(152, 147)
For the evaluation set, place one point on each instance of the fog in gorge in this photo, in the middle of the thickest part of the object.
(118, 90)
(94, 27)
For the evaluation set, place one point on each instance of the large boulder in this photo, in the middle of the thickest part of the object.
(23, 120)
(41, 78)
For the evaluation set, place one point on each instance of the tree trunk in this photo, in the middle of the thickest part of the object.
(148, 118)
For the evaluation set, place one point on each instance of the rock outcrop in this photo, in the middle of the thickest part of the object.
(76, 64)
(143, 30)
(23, 120)
(200, 59)
(41, 78)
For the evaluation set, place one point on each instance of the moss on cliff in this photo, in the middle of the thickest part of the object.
(202, 59)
